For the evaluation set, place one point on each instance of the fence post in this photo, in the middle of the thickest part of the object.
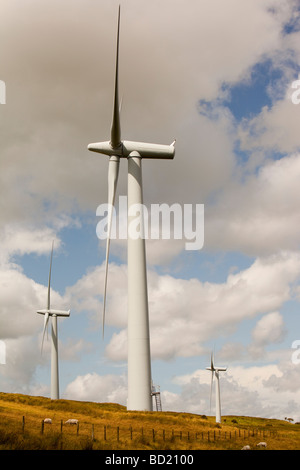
(131, 432)
(42, 430)
(93, 434)
(23, 424)
(77, 432)
(61, 426)
(153, 435)
(105, 433)
(118, 433)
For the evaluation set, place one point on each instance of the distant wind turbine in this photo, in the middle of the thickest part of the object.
(215, 372)
(48, 312)
(139, 361)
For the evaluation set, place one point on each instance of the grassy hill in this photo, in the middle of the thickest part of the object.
(111, 427)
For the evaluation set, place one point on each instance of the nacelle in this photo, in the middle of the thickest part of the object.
(218, 369)
(57, 313)
(127, 147)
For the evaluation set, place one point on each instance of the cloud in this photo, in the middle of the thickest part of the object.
(17, 312)
(93, 387)
(21, 362)
(288, 380)
(21, 297)
(59, 98)
(245, 391)
(274, 129)
(194, 312)
(20, 240)
(255, 215)
(21, 330)
(86, 294)
(269, 329)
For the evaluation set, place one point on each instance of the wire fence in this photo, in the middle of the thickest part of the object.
(95, 431)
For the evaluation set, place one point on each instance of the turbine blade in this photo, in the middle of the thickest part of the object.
(212, 361)
(46, 320)
(49, 280)
(113, 173)
(116, 126)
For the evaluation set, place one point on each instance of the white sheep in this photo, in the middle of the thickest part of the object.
(261, 444)
(72, 421)
(48, 420)
(246, 448)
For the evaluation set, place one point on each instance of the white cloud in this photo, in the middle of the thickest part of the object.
(259, 215)
(21, 298)
(18, 240)
(66, 95)
(22, 359)
(191, 312)
(288, 379)
(93, 387)
(269, 329)
(244, 391)
(273, 129)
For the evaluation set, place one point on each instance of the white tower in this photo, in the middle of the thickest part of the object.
(139, 359)
(215, 372)
(48, 312)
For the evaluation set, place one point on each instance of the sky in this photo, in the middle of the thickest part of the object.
(220, 76)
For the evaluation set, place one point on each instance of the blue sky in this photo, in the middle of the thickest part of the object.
(237, 152)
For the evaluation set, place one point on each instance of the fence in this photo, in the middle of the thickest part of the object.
(118, 433)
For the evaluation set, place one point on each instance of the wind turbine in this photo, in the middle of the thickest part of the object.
(215, 372)
(48, 312)
(139, 361)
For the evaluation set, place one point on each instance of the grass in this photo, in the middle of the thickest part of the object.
(108, 426)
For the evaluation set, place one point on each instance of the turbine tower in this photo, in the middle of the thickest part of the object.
(215, 372)
(139, 361)
(48, 312)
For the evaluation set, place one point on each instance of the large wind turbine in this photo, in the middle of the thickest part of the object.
(48, 312)
(139, 362)
(215, 372)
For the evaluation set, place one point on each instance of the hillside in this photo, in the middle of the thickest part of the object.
(110, 426)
